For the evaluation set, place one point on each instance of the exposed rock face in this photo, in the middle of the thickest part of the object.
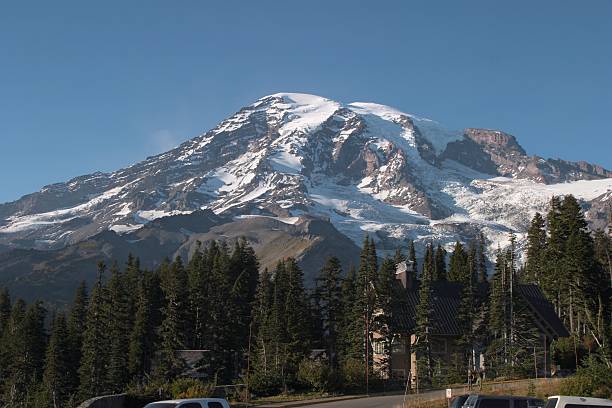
(365, 168)
(498, 153)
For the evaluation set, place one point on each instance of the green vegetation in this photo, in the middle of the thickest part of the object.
(269, 331)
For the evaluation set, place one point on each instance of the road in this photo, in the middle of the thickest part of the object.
(396, 401)
(388, 401)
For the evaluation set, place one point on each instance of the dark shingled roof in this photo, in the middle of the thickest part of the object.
(546, 318)
(446, 297)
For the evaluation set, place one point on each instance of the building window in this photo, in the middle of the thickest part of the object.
(397, 346)
(379, 346)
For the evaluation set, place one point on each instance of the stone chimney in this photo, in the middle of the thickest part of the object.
(405, 273)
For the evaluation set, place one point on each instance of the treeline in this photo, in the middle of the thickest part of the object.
(268, 330)
(127, 330)
(574, 269)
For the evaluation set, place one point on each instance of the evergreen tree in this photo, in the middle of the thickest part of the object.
(27, 347)
(94, 350)
(428, 271)
(440, 263)
(5, 310)
(199, 290)
(143, 337)
(76, 326)
(330, 298)
(351, 333)
(365, 286)
(482, 258)
(555, 273)
(7, 349)
(398, 256)
(174, 325)
(498, 311)
(5, 319)
(536, 247)
(458, 264)
(57, 377)
(298, 335)
(246, 272)
(412, 255)
(472, 263)
(424, 322)
(118, 330)
(262, 326)
(386, 304)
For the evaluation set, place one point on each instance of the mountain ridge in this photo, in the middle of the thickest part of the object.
(365, 168)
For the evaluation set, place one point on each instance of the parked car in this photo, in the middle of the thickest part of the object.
(458, 401)
(502, 401)
(191, 403)
(563, 401)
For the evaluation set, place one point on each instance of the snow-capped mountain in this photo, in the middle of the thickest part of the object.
(365, 167)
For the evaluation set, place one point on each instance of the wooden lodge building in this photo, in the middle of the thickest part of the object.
(445, 330)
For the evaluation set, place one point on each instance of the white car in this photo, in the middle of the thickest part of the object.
(562, 401)
(191, 403)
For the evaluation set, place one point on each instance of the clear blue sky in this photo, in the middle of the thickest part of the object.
(88, 86)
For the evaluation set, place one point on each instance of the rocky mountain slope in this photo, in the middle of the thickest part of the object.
(359, 167)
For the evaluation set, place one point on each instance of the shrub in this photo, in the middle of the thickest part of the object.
(592, 379)
(264, 384)
(314, 374)
(191, 388)
(352, 373)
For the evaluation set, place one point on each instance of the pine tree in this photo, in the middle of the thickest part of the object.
(7, 351)
(386, 305)
(472, 262)
(298, 335)
(458, 264)
(365, 296)
(27, 346)
(76, 327)
(262, 326)
(498, 311)
(94, 350)
(118, 330)
(5, 319)
(143, 336)
(246, 266)
(428, 271)
(398, 257)
(199, 289)
(440, 263)
(412, 255)
(482, 258)
(555, 273)
(351, 332)
(424, 322)
(536, 247)
(5, 310)
(57, 381)
(330, 298)
(174, 324)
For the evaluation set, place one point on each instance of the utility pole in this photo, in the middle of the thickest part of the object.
(367, 351)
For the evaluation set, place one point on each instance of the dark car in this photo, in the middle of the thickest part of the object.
(502, 401)
(458, 401)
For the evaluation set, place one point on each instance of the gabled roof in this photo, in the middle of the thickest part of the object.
(543, 312)
(446, 299)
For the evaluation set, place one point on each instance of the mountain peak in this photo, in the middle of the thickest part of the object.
(366, 167)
